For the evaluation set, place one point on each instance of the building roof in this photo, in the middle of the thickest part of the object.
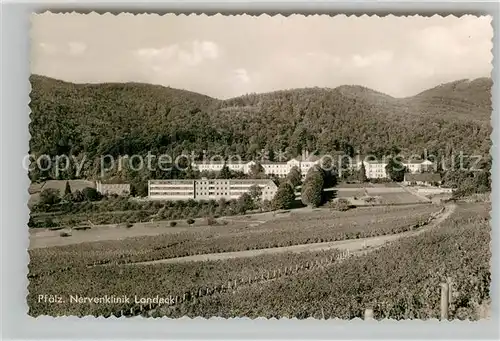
(373, 162)
(425, 177)
(273, 163)
(219, 162)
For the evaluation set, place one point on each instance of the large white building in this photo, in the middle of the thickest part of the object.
(279, 169)
(171, 189)
(208, 189)
(376, 169)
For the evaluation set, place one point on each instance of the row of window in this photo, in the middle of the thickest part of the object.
(169, 188)
(171, 182)
(171, 193)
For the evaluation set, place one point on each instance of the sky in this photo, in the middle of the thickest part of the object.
(228, 56)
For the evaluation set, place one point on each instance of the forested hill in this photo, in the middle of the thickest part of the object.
(133, 118)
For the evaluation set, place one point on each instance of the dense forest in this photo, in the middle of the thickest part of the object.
(132, 118)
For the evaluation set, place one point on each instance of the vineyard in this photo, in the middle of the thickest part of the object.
(184, 281)
(397, 281)
(400, 281)
(300, 228)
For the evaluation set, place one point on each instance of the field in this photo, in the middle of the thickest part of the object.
(292, 228)
(400, 281)
(35, 188)
(152, 280)
(379, 194)
(99, 268)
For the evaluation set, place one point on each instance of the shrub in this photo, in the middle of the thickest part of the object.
(211, 221)
(340, 205)
(49, 223)
(173, 223)
(91, 194)
(50, 196)
(370, 199)
(190, 221)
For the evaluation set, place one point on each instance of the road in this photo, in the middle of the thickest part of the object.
(352, 245)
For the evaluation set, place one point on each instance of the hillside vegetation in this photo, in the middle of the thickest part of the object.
(131, 118)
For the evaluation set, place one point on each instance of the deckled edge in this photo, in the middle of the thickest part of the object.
(186, 13)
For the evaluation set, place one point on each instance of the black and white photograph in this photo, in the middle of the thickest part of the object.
(320, 166)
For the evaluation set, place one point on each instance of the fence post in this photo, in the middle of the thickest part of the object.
(450, 289)
(368, 314)
(444, 300)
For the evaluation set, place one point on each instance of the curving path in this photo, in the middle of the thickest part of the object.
(352, 245)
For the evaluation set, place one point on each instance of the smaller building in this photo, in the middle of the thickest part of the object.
(417, 166)
(422, 179)
(374, 169)
(110, 189)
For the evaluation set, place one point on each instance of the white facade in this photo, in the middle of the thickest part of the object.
(376, 169)
(208, 189)
(280, 169)
(171, 189)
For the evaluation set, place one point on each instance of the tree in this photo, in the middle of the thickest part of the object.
(133, 191)
(270, 154)
(67, 189)
(225, 172)
(284, 197)
(329, 171)
(294, 177)
(244, 203)
(312, 188)
(77, 196)
(395, 170)
(362, 173)
(50, 196)
(31, 222)
(483, 181)
(139, 188)
(91, 194)
(257, 171)
(255, 193)
(266, 205)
